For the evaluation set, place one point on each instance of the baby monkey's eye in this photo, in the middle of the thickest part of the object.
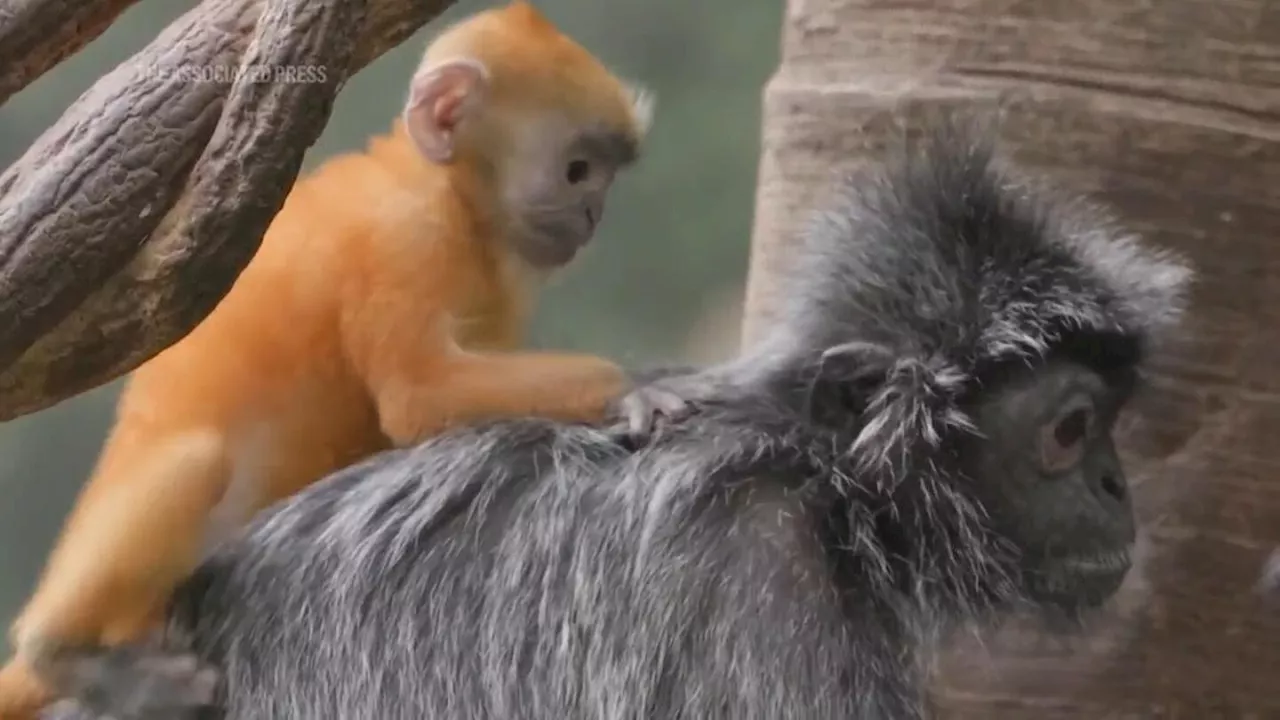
(578, 170)
(1062, 442)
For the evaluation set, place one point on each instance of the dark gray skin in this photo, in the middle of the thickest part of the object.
(896, 457)
(1053, 482)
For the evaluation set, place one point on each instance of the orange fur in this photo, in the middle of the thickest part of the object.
(371, 316)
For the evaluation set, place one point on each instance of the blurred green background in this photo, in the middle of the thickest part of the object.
(663, 281)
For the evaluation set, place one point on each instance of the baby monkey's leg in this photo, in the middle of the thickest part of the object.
(139, 682)
(137, 530)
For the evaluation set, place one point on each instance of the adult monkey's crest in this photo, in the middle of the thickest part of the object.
(952, 265)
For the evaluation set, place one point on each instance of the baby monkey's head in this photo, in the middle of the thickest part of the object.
(534, 114)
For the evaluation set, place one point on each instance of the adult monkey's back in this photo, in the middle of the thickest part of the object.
(924, 439)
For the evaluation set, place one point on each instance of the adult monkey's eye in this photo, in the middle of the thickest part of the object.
(1062, 442)
(577, 172)
(1072, 428)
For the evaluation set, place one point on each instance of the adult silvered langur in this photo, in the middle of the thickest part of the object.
(923, 438)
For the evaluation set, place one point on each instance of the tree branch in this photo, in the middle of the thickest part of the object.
(129, 219)
(36, 35)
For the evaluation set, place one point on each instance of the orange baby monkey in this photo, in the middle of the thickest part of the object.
(384, 305)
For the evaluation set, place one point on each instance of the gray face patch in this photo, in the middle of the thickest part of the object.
(561, 192)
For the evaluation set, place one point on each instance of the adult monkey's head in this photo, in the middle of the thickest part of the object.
(971, 340)
(1045, 466)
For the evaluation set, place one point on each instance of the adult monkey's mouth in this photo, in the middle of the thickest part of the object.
(1081, 580)
(1118, 560)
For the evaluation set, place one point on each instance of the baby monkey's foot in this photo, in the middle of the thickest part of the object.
(135, 682)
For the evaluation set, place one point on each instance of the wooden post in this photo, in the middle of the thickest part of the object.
(1170, 111)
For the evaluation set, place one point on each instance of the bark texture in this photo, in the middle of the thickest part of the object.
(128, 220)
(1171, 111)
(36, 35)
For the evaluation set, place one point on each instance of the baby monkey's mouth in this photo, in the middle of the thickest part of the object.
(551, 250)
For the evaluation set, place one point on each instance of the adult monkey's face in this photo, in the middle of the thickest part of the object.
(1046, 469)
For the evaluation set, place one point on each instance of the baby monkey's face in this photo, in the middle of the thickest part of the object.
(556, 185)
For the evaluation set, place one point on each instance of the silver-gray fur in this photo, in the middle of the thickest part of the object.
(793, 550)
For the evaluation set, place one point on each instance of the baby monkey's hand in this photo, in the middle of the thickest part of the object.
(657, 400)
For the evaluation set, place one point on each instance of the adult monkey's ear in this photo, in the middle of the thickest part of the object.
(441, 96)
(847, 375)
(857, 363)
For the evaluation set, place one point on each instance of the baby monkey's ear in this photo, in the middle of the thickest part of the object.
(441, 96)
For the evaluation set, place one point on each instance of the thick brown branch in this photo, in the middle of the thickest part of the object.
(96, 273)
(389, 23)
(83, 199)
(36, 35)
